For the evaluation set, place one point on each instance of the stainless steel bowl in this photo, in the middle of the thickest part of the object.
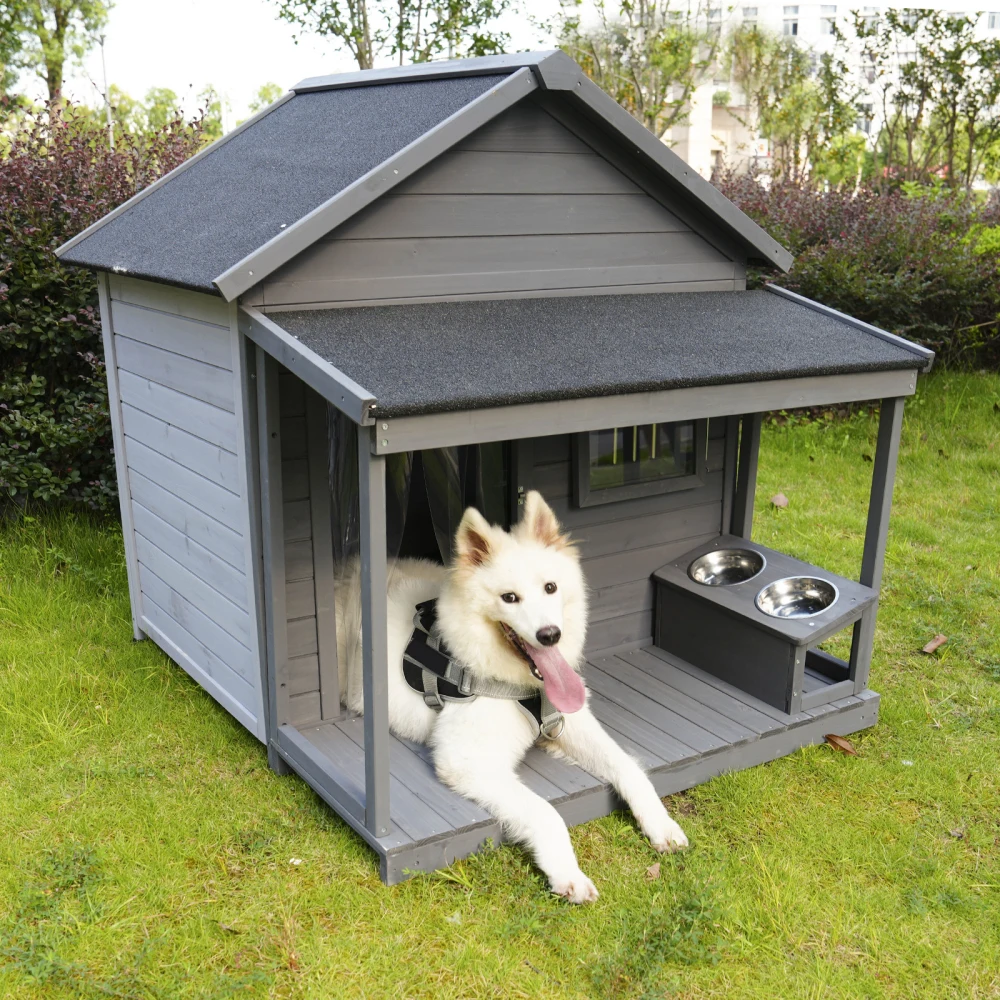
(724, 567)
(797, 597)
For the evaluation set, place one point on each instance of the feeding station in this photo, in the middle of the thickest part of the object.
(395, 293)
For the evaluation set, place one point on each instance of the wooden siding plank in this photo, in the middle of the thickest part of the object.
(650, 530)
(227, 580)
(725, 284)
(303, 675)
(216, 668)
(175, 642)
(213, 604)
(210, 634)
(211, 461)
(302, 637)
(299, 561)
(726, 704)
(625, 567)
(303, 709)
(191, 487)
(576, 518)
(452, 215)
(406, 258)
(294, 443)
(613, 632)
(193, 378)
(215, 536)
(508, 172)
(295, 479)
(300, 598)
(660, 689)
(211, 423)
(621, 599)
(298, 521)
(178, 301)
(524, 128)
(205, 342)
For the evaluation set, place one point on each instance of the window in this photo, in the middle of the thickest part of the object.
(791, 23)
(750, 15)
(865, 118)
(993, 20)
(715, 20)
(869, 16)
(621, 463)
(827, 18)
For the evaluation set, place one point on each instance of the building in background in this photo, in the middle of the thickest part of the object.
(715, 133)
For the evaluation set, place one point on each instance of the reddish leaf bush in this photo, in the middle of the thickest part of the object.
(925, 266)
(57, 176)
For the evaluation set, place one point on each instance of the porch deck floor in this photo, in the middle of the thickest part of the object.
(684, 725)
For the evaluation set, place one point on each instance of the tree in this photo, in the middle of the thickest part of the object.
(803, 105)
(266, 94)
(213, 105)
(406, 30)
(648, 56)
(938, 90)
(43, 34)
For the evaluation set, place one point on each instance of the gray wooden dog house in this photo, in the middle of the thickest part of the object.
(487, 255)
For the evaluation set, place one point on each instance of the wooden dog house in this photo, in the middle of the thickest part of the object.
(490, 267)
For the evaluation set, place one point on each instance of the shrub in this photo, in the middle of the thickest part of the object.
(924, 264)
(57, 176)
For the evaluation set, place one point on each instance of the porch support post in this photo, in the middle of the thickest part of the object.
(272, 551)
(374, 633)
(746, 475)
(873, 559)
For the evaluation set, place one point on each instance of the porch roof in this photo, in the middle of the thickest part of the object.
(449, 356)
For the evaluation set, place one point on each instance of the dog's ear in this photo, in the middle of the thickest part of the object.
(472, 540)
(539, 523)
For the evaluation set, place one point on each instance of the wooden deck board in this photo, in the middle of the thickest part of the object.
(630, 694)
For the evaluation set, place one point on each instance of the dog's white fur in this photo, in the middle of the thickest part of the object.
(478, 744)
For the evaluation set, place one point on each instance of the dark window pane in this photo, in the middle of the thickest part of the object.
(643, 454)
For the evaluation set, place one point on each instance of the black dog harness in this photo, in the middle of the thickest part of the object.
(430, 669)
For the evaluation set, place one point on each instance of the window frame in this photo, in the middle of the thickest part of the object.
(583, 496)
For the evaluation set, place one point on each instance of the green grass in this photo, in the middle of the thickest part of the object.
(145, 848)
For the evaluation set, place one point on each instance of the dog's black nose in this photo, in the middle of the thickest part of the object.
(549, 635)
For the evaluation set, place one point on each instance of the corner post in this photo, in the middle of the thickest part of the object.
(272, 551)
(121, 464)
(374, 633)
(746, 475)
(890, 426)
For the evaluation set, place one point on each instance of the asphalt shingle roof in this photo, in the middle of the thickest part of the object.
(465, 355)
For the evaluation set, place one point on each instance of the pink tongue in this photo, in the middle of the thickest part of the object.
(562, 683)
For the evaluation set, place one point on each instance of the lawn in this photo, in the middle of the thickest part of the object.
(147, 852)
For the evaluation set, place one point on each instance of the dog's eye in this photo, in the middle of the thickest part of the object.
(550, 588)
(509, 598)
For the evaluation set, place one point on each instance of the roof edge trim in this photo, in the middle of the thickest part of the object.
(330, 382)
(306, 231)
(918, 349)
(687, 178)
(555, 71)
(125, 206)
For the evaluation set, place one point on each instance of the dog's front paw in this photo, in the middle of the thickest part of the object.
(667, 837)
(576, 889)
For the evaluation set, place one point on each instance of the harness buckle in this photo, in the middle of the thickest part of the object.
(552, 727)
(465, 681)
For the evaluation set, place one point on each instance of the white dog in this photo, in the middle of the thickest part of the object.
(512, 611)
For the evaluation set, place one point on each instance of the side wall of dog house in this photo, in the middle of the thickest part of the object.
(623, 543)
(523, 206)
(174, 370)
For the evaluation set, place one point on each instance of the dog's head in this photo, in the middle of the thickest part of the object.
(515, 604)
